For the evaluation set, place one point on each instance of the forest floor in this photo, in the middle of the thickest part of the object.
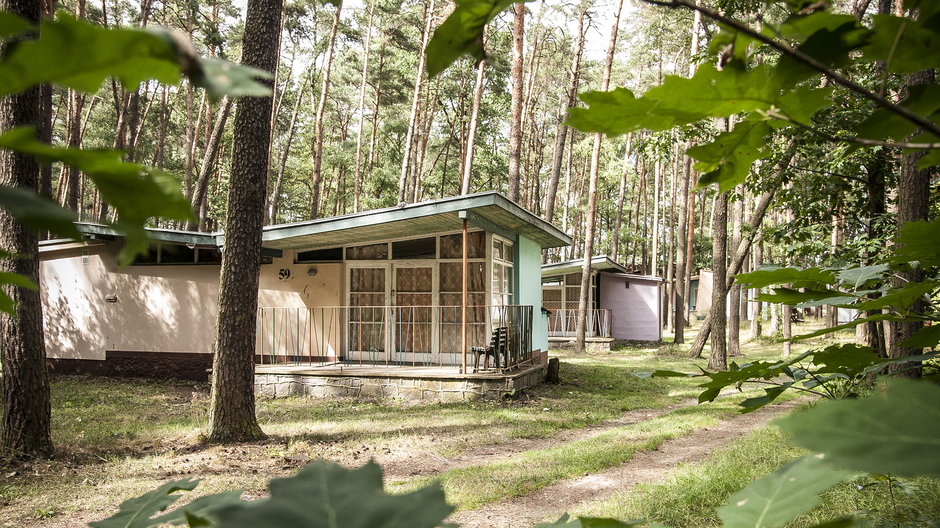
(511, 463)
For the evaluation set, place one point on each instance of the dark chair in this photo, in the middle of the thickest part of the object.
(498, 349)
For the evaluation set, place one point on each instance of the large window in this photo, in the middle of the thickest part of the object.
(502, 272)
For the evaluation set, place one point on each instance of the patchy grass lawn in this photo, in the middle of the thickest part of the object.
(117, 438)
(689, 499)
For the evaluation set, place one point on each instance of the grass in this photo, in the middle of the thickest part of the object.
(118, 438)
(530, 471)
(691, 496)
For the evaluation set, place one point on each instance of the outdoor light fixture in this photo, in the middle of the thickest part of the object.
(111, 298)
(626, 284)
(311, 271)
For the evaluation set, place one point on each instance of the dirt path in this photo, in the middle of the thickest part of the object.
(646, 467)
(429, 464)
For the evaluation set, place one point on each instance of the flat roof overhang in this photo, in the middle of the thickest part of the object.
(598, 263)
(490, 211)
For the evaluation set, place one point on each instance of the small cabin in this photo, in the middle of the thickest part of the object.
(622, 305)
(416, 292)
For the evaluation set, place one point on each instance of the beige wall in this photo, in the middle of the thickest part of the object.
(157, 308)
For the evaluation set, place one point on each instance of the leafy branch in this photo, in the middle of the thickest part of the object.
(806, 60)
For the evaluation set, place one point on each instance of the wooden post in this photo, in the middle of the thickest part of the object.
(463, 314)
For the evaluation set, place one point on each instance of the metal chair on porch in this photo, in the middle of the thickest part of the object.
(498, 349)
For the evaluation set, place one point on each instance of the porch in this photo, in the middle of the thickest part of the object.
(396, 340)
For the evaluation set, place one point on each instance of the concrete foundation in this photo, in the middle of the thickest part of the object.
(592, 344)
(410, 387)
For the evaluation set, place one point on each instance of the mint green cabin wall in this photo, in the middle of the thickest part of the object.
(528, 288)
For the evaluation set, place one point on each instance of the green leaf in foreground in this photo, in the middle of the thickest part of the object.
(137, 193)
(894, 431)
(11, 24)
(801, 278)
(138, 512)
(780, 497)
(37, 211)
(327, 495)
(919, 241)
(926, 337)
(81, 55)
(462, 33)
(15, 279)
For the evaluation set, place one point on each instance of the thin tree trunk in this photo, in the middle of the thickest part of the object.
(559, 151)
(320, 116)
(734, 315)
(232, 400)
(618, 220)
(682, 255)
(275, 201)
(591, 219)
(415, 100)
(361, 110)
(472, 130)
(757, 322)
(718, 360)
(515, 113)
(208, 164)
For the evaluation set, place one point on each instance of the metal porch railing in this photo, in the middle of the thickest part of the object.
(564, 323)
(417, 336)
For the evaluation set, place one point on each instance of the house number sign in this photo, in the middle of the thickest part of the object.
(283, 274)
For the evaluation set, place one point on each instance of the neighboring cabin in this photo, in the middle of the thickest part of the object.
(379, 288)
(623, 305)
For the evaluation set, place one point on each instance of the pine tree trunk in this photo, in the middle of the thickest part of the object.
(618, 220)
(757, 315)
(357, 191)
(232, 407)
(24, 384)
(208, 165)
(406, 166)
(562, 134)
(320, 117)
(472, 130)
(718, 360)
(913, 205)
(682, 303)
(515, 113)
(734, 314)
(583, 306)
(275, 201)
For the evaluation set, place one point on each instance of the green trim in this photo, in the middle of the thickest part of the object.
(475, 219)
(162, 235)
(489, 207)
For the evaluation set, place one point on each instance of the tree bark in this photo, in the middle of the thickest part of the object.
(415, 100)
(357, 191)
(581, 328)
(718, 360)
(275, 201)
(320, 116)
(208, 164)
(558, 153)
(515, 113)
(24, 385)
(232, 406)
(734, 314)
(756, 318)
(682, 255)
(913, 205)
(467, 175)
(621, 195)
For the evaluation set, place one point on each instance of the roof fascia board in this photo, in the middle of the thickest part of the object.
(486, 225)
